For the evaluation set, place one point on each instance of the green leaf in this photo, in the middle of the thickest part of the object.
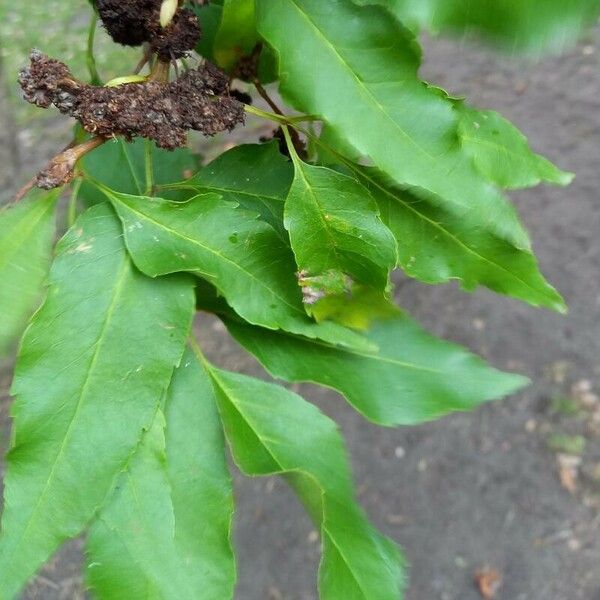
(94, 364)
(436, 245)
(334, 227)
(501, 152)
(367, 89)
(200, 481)
(166, 530)
(414, 377)
(356, 306)
(26, 238)
(131, 548)
(210, 18)
(272, 430)
(121, 165)
(237, 35)
(525, 25)
(255, 176)
(328, 140)
(243, 257)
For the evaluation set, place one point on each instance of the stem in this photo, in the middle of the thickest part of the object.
(160, 72)
(91, 59)
(72, 211)
(24, 191)
(61, 169)
(290, 142)
(32, 182)
(265, 95)
(144, 60)
(264, 114)
(297, 143)
(281, 119)
(148, 147)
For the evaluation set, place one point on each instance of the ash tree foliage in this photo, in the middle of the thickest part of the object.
(121, 423)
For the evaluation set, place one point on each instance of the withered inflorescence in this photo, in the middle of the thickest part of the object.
(133, 22)
(163, 112)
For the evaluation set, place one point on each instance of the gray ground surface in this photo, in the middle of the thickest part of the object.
(472, 490)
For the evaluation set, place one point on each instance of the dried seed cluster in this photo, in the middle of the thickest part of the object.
(163, 112)
(133, 22)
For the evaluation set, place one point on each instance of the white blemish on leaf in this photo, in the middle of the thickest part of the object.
(133, 226)
(83, 247)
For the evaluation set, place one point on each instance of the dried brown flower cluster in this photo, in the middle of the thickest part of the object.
(154, 108)
(163, 112)
(133, 22)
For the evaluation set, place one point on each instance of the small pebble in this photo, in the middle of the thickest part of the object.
(399, 452)
(479, 324)
(574, 544)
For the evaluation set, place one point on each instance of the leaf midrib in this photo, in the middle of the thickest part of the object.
(365, 355)
(236, 191)
(325, 530)
(131, 167)
(321, 213)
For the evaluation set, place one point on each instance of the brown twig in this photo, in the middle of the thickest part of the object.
(265, 96)
(24, 190)
(33, 181)
(295, 136)
(160, 72)
(61, 169)
(144, 60)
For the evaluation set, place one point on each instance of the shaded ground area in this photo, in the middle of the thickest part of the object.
(474, 490)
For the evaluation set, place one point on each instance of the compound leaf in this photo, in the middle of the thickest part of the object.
(26, 238)
(242, 256)
(94, 364)
(368, 91)
(272, 430)
(413, 377)
(166, 531)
